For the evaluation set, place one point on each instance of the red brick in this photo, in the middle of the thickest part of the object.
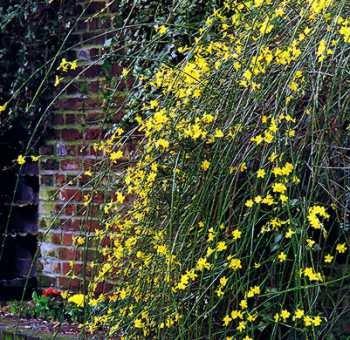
(70, 194)
(70, 104)
(61, 180)
(69, 254)
(77, 104)
(58, 119)
(103, 287)
(70, 209)
(93, 133)
(77, 268)
(56, 238)
(92, 71)
(71, 134)
(67, 239)
(71, 150)
(94, 53)
(70, 164)
(116, 70)
(98, 197)
(73, 119)
(49, 164)
(91, 225)
(62, 238)
(70, 284)
(94, 86)
(46, 150)
(71, 224)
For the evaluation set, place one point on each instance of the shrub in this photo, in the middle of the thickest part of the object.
(235, 212)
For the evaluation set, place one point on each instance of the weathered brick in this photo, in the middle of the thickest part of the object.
(58, 119)
(69, 254)
(76, 125)
(70, 209)
(68, 283)
(46, 150)
(71, 119)
(70, 194)
(93, 133)
(71, 224)
(71, 134)
(77, 268)
(70, 164)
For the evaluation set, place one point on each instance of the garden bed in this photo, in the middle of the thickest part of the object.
(16, 328)
(30, 328)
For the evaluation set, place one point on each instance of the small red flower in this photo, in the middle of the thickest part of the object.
(51, 292)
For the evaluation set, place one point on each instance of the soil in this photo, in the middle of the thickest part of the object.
(16, 328)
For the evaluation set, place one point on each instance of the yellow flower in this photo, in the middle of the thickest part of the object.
(310, 242)
(285, 314)
(162, 29)
(34, 158)
(241, 326)
(205, 165)
(223, 281)
(243, 304)
(120, 197)
(221, 246)
(308, 321)
(317, 321)
(77, 299)
(341, 248)
(125, 72)
(279, 188)
(202, 264)
(328, 258)
(268, 200)
(78, 240)
(298, 314)
(162, 143)
(58, 80)
(234, 263)
(243, 167)
(249, 203)
(290, 233)
(261, 173)
(311, 274)
(207, 118)
(236, 234)
(21, 160)
(236, 314)
(282, 257)
(218, 133)
(116, 155)
(255, 290)
(314, 213)
(3, 107)
(258, 199)
(74, 64)
(138, 323)
(63, 65)
(226, 320)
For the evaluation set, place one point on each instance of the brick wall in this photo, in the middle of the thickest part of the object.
(76, 124)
